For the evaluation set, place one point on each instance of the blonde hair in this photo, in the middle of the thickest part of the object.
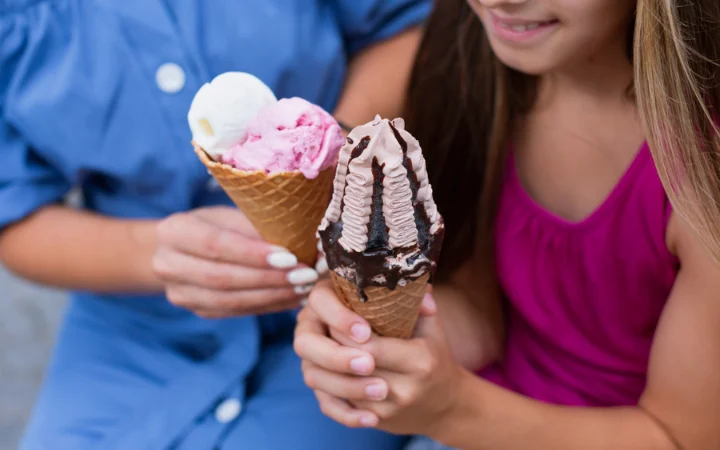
(677, 83)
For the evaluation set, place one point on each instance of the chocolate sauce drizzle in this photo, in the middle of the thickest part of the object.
(377, 228)
(360, 148)
(372, 262)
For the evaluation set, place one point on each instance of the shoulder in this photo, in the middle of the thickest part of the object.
(684, 241)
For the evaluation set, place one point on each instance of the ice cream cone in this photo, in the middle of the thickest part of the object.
(286, 208)
(390, 313)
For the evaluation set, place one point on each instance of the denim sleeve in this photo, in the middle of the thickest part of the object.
(27, 180)
(365, 22)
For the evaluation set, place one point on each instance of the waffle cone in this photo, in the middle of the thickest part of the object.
(391, 313)
(286, 208)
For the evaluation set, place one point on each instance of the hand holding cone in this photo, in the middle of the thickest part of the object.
(274, 159)
(286, 208)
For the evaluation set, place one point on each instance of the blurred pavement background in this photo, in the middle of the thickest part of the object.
(29, 317)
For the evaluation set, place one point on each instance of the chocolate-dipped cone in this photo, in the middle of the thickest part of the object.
(390, 312)
(382, 232)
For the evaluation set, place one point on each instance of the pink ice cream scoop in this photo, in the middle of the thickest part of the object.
(288, 135)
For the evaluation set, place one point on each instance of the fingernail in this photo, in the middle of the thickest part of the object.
(281, 259)
(360, 332)
(377, 391)
(304, 289)
(304, 302)
(321, 267)
(368, 421)
(302, 276)
(361, 365)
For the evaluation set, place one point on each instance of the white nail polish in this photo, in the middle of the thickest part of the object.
(322, 266)
(304, 290)
(282, 260)
(302, 276)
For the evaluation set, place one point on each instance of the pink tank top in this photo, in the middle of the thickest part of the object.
(584, 297)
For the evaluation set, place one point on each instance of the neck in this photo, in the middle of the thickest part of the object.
(604, 77)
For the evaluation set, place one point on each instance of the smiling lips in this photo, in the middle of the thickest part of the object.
(520, 30)
(522, 27)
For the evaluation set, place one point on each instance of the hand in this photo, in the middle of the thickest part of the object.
(214, 263)
(402, 386)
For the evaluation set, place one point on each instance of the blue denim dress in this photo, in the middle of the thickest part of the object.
(94, 95)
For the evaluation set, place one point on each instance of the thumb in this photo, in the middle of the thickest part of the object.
(427, 327)
(428, 307)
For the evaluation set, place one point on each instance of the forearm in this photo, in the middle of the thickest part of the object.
(474, 335)
(377, 80)
(488, 417)
(73, 249)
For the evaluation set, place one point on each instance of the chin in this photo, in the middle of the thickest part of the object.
(528, 64)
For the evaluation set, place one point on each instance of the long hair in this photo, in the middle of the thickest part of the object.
(461, 105)
(677, 82)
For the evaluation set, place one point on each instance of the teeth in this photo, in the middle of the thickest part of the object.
(523, 28)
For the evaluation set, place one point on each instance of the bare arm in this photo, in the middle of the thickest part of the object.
(679, 408)
(67, 248)
(377, 79)
(474, 326)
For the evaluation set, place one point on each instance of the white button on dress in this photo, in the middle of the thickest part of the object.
(212, 185)
(228, 410)
(170, 78)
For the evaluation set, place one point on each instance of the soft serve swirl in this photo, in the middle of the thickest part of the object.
(382, 226)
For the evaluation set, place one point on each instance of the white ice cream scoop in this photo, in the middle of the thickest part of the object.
(221, 110)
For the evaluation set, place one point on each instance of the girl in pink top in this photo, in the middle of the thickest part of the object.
(611, 329)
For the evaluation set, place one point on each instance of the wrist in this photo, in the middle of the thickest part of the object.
(142, 236)
(464, 413)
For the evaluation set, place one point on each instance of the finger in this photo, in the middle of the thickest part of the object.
(344, 386)
(195, 297)
(312, 344)
(333, 312)
(405, 356)
(428, 327)
(249, 311)
(309, 322)
(428, 307)
(403, 393)
(385, 410)
(230, 218)
(172, 266)
(322, 266)
(341, 412)
(401, 390)
(195, 236)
